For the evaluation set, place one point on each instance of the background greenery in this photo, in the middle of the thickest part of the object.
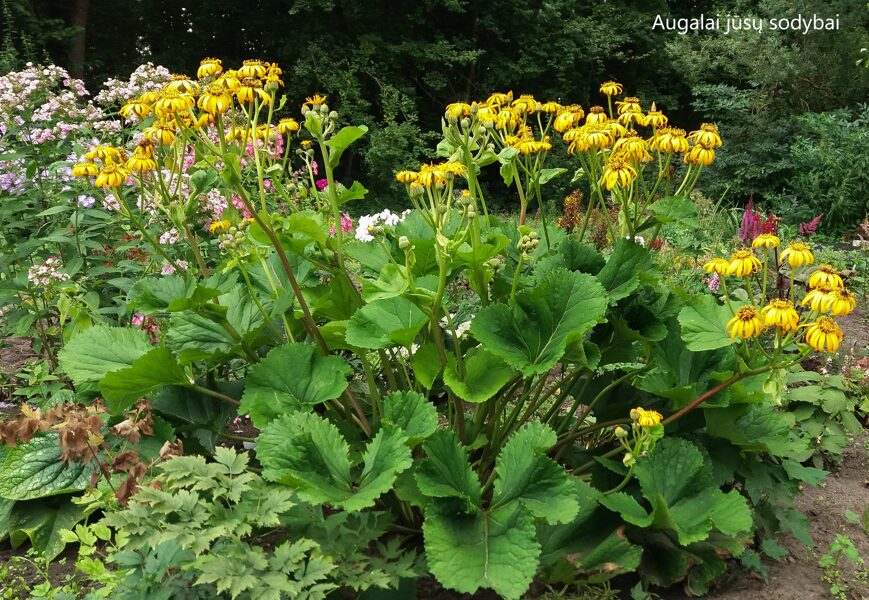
(791, 107)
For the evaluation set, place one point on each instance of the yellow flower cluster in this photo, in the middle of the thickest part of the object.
(213, 93)
(114, 166)
(431, 175)
(826, 294)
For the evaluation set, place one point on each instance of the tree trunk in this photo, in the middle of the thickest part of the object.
(78, 18)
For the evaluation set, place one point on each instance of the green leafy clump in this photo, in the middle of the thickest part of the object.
(199, 532)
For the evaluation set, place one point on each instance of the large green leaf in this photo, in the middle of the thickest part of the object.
(527, 475)
(676, 209)
(532, 332)
(620, 274)
(704, 324)
(677, 481)
(469, 550)
(484, 375)
(386, 322)
(390, 283)
(593, 545)
(446, 471)
(572, 255)
(342, 140)
(412, 413)
(754, 427)
(293, 377)
(427, 364)
(99, 350)
(168, 294)
(308, 452)
(35, 470)
(41, 524)
(192, 336)
(155, 369)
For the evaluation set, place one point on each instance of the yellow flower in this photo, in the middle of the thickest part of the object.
(173, 101)
(597, 136)
(629, 105)
(508, 118)
(824, 335)
(453, 168)
(182, 84)
(717, 265)
(315, 100)
(611, 88)
(529, 145)
(141, 162)
(700, 155)
(134, 107)
(633, 146)
(525, 104)
(252, 68)
(457, 110)
(567, 118)
(655, 118)
(250, 89)
(746, 324)
(219, 226)
(819, 298)
(631, 117)
(161, 131)
(743, 262)
(288, 126)
(826, 275)
(111, 175)
(208, 67)
(430, 176)
(646, 418)
(406, 176)
(670, 139)
(766, 240)
(707, 134)
(619, 172)
(596, 115)
(499, 98)
(615, 128)
(229, 81)
(103, 153)
(216, 99)
(85, 169)
(781, 314)
(842, 302)
(550, 107)
(798, 254)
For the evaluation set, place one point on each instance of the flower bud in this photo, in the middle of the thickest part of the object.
(403, 242)
(333, 115)
(465, 123)
(621, 433)
(629, 460)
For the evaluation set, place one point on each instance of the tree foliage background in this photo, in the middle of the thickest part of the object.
(791, 107)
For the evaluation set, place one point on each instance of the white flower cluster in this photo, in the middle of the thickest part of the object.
(46, 273)
(146, 78)
(367, 223)
(167, 238)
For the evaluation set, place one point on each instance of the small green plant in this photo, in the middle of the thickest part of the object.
(840, 548)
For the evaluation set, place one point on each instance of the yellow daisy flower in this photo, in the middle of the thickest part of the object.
(842, 302)
(717, 265)
(743, 262)
(826, 275)
(798, 254)
(781, 314)
(766, 240)
(824, 335)
(746, 324)
(611, 88)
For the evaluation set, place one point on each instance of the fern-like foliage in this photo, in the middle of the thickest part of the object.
(198, 533)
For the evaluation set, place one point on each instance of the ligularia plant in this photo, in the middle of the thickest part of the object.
(499, 392)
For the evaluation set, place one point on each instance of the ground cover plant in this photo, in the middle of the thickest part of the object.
(500, 402)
